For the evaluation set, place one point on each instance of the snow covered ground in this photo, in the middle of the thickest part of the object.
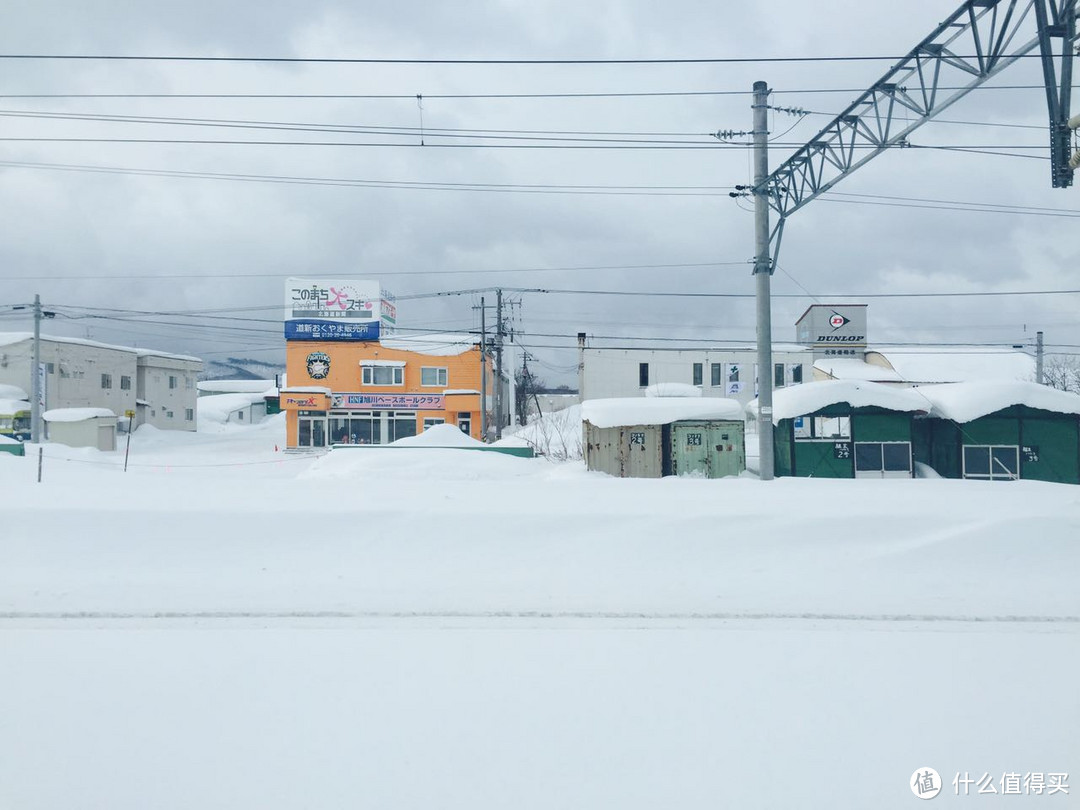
(227, 625)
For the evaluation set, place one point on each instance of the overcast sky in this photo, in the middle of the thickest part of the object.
(88, 241)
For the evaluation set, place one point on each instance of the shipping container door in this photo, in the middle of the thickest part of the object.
(690, 444)
(641, 452)
(727, 450)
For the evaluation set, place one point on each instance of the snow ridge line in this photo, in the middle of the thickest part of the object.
(524, 614)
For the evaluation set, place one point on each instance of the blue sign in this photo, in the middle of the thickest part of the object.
(331, 330)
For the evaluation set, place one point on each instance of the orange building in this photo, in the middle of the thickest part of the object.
(375, 392)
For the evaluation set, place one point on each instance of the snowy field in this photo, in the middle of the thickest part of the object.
(229, 626)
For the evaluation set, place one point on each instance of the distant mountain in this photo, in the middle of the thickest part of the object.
(240, 368)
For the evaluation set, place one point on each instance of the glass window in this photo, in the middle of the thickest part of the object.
(433, 376)
(643, 374)
(698, 372)
(896, 456)
(832, 427)
(977, 461)
(172, 381)
(106, 380)
(125, 383)
(796, 374)
(402, 425)
(1004, 462)
(383, 375)
(716, 374)
(431, 421)
(189, 414)
(778, 375)
(868, 457)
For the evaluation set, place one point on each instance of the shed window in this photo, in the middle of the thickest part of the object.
(992, 462)
(827, 428)
(699, 370)
(643, 374)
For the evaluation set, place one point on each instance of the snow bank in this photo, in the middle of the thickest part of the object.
(624, 411)
(440, 436)
(556, 436)
(963, 402)
(797, 400)
(76, 414)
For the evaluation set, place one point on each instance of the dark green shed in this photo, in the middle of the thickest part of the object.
(1000, 431)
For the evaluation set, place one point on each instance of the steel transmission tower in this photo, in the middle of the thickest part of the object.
(973, 45)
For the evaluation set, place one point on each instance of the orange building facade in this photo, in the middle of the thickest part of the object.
(375, 392)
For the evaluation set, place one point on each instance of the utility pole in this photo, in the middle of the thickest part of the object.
(1039, 378)
(483, 371)
(498, 364)
(35, 376)
(763, 271)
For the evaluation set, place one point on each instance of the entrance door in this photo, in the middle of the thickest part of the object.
(464, 422)
(311, 431)
(883, 459)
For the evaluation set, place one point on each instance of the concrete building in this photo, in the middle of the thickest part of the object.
(87, 374)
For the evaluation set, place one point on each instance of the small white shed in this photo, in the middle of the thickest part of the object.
(82, 427)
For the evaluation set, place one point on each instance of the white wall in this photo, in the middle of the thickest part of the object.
(168, 387)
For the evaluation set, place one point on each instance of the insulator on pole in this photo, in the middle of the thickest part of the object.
(1074, 122)
(1074, 161)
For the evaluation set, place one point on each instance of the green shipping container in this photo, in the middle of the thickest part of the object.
(710, 448)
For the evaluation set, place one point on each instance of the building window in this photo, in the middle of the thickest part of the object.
(431, 421)
(188, 382)
(50, 368)
(189, 414)
(826, 428)
(125, 382)
(168, 414)
(172, 381)
(716, 374)
(643, 374)
(106, 380)
(992, 462)
(796, 374)
(778, 375)
(698, 372)
(433, 376)
(383, 375)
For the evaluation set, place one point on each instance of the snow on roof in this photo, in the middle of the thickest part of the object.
(12, 392)
(452, 391)
(440, 436)
(799, 400)
(76, 414)
(235, 386)
(217, 407)
(8, 440)
(672, 390)
(10, 406)
(442, 344)
(945, 364)
(384, 363)
(625, 411)
(848, 368)
(9, 338)
(306, 389)
(167, 355)
(963, 402)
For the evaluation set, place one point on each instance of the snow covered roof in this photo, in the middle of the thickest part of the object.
(8, 440)
(849, 368)
(76, 414)
(10, 406)
(944, 364)
(166, 355)
(963, 402)
(798, 400)
(10, 338)
(217, 407)
(235, 386)
(12, 392)
(625, 411)
(441, 344)
(672, 390)
(306, 389)
(384, 363)
(452, 391)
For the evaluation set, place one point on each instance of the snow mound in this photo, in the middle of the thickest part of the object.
(670, 389)
(8, 440)
(437, 464)
(556, 436)
(217, 407)
(440, 436)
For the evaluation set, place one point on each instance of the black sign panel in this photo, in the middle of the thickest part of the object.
(637, 438)
(1030, 451)
(841, 450)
